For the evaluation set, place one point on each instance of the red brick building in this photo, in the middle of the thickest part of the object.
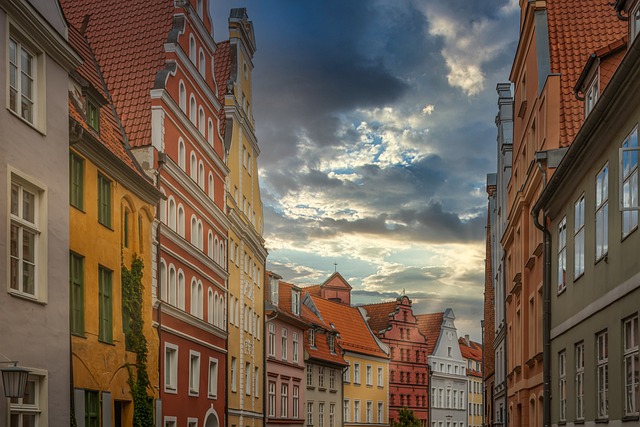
(157, 59)
(395, 324)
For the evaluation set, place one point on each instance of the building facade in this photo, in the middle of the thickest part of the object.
(34, 172)
(247, 253)
(488, 327)
(472, 357)
(591, 211)
(395, 324)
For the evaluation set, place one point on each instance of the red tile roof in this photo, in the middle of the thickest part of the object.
(429, 325)
(576, 29)
(313, 290)
(127, 38)
(321, 350)
(472, 351)
(355, 335)
(222, 61)
(110, 133)
(379, 315)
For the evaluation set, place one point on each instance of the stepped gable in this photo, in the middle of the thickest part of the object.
(429, 325)
(128, 39)
(576, 29)
(222, 65)
(89, 76)
(379, 315)
(348, 322)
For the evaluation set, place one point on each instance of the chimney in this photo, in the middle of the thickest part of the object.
(466, 339)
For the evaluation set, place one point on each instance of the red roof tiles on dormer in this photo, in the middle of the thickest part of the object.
(429, 325)
(222, 65)
(380, 315)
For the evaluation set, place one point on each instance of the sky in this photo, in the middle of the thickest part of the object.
(376, 125)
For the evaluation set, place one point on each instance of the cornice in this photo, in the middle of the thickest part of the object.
(196, 21)
(238, 115)
(247, 233)
(193, 321)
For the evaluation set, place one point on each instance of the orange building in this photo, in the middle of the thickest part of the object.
(555, 38)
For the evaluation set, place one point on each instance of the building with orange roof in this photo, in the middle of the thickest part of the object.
(395, 324)
(556, 37)
(589, 210)
(365, 379)
(448, 378)
(34, 171)
(472, 355)
(162, 82)
(113, 342)
(285, 366)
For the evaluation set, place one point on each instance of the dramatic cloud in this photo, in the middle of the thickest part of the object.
(375, 120)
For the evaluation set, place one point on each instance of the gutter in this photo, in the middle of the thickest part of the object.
(161, 161)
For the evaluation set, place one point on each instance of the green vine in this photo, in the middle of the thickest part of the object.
(133, 323)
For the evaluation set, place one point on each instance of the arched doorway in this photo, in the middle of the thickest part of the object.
(211, 419)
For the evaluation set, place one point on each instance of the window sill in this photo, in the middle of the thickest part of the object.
(106, 342)
(108, 227)
(25, 296)
(27, 122)
(170, 390)
(579, 422)
(630, 418)
(562, 423)
(624, 236)
(578, 277)
(78, 208)
(561, 291)
(604, 256)
(78, 335)
(602, 420)
(193, 393)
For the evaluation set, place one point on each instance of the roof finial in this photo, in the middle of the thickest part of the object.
(335, 267)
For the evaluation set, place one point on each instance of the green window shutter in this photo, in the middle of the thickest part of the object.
(105, 306)
(76, 181)
(76, 291)
(92, 408)
(104, 200)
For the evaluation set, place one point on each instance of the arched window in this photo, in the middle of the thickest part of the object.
(193, 167)
(200, 8)
(200, 236)
(163, 280)
(231, 317)
(202, 65)
(210, 132)
(180, 289)
(163, 207)
(221, 313)
(201, 120)
(180, 220)
(237, 309)
(210, 245)
(192, 48)
(200, 311)
(182, 97)
(182, 155)
(194, 231)
(171, 297)
(201, 175)
(172, 213)
(193, 307)
(210, 306)
(216, 254)
(193, 110)
(222, 254)
(216, 309)
(211, 188)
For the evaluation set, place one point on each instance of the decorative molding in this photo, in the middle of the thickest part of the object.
(189, 337)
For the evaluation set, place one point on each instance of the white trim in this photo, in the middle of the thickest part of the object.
(189, 337)
(193, 321)
(195, 378)
(168, 387)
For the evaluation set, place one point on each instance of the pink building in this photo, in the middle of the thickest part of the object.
(285, 353)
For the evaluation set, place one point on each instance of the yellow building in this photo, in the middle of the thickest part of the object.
(111, 213)
(472, 354)
(247, 254)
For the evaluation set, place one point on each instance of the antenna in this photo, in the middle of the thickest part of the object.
(335, 267)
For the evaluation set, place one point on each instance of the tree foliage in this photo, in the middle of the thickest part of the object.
(406, 418)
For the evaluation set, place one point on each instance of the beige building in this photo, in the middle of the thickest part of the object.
(472, 356)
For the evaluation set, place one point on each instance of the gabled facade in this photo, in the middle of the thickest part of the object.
(285, 365)
(395, 324)
(112, 201)
(448, 380)
(34, 217)
(162, 81)
(472, 356)
(590, 210)
(247, 253)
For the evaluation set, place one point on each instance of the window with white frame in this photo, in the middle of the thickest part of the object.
(170, 368)
(562, 255)
(631, 367)
(26, 411)
(272, 339)
(602, 212)
(309, 413)
(295, 401)
(26, 254)
(212, 390)
(321, 414)
(369, 412)
(194, 373)
(332, 379)
(284, 343)
(295, 302)
(312, 338)
(578, 238)
(591, 94)
(346, 374)
(356, 411)
(321, 376)
(331, 339)
(369, 374)
(332, 415)
(346, 410)
(22, 79)
(284, 401)
(562, 384)
(629, 169)
(256, 382)
(380, 377)
(247, 378)
(380, 413)
(579, 359)
(602, 376)
(356, 373)
(272, 399)
(234, 373)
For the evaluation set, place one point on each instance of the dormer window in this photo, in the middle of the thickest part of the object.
(273, 283)
(591, 95)
(634, 22)
(93, 116)
(331, 340)
(295, 302)
(312, 338)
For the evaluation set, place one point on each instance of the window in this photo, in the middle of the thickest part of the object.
(284, 402)
(369, 374)
(346, 410)
(634, 18)
(332, 379)
(272, 399)
(126, 227)
(602, 377)
(295, 302)
(170, 367)
(369, 413)
(332, 345)
(91, 408)
(320, 377)
(312, 338)
(192, 48)
(194, 373)
(76, 291)
(332, 415)
(346, 375)
(76, 181)
(309, 375)
(22, 75)
(562, 255)
(193, 114)
(25, 411)
(321, 414)
(233, 374)
(309, 413)
(602, 212)
(212, 390)
(202, 65)
(591, 95)
(284, 344)
(579, 354)
(578, 240)
(247, 378)
(295, 347)
(182, 97)
(631, 367)
(201, 123)
(210, 135)
(562, 386)
(356, 374)
(93, 115)
(356, 411)
(629, 171)
(296, 401)
(381, 413)
(105, 333)
(256, 381)
(104, 200)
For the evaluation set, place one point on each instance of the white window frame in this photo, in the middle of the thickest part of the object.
(346, 374)
(369, 375)
(194, 373)
(39, 406)
(602, 213)
(579, 383)
(295, 348)
(272, 340)
(321, 377)
(37, 71)
(380, 377)
(562, 384)
(356, 411)
(356, 373)
(332, 379)
(284, 343)
(630, 365)
(212, 389)
(171, 383)
(380, 412)
(602, 374)
(234, 374)
(592, 93)
(295, 401)
(309, 413)
(369, 412)
(346, 410)
(247, 378)
(628, 182)
(284, 400)
(332, 415)
(578, 237)
(321, 414)
(309, 370)
(562, 255)
(272, 399)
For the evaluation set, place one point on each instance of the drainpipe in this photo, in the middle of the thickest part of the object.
(546, 307)
(505, 344)
(484, 390)
(161, 161)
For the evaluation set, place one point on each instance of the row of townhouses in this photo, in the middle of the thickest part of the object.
(562, 277)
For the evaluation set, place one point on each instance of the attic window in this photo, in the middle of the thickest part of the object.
(295, 302)
(591, 95)
(93, 116)
(332, 347)
(312, 338)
